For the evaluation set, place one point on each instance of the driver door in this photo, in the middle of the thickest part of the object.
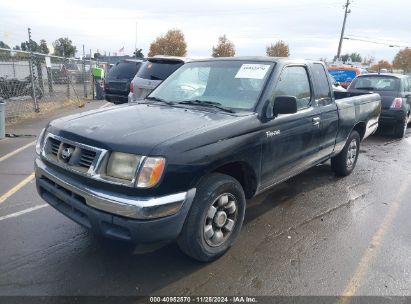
(291, 140)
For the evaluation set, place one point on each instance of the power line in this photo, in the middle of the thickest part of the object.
(375, 42)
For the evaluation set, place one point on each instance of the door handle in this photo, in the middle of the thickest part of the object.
(316, 121)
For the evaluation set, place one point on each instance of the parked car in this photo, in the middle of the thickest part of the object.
(152, 73)
(345, 74)
(336, 85)
(61, 72)
(117, 83)
(180, 164)
(395, 91)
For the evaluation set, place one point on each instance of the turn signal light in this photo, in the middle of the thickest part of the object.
(151, 172)
(396, 103)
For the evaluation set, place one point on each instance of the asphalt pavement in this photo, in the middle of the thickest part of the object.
(315, 234)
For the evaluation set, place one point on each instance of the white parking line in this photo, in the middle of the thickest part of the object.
(16, 214)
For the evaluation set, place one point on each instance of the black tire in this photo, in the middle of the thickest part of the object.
(193, 239)
(344, 163)
(401, 128)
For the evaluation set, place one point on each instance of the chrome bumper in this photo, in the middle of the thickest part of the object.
(116, 203)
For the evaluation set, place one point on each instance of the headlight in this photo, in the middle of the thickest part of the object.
(122, 165)
(39, 142)
(151, 172)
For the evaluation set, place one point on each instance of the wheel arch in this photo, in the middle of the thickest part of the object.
(242, 172)
(360, 127)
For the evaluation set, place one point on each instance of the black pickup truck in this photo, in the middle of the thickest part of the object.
(180, 164)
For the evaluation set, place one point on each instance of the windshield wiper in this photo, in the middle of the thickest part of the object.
(160, 100)
(207, 103)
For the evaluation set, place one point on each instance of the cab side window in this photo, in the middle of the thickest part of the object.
(294, 81)
(323, 93)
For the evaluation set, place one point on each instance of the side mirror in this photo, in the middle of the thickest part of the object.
(285, 105)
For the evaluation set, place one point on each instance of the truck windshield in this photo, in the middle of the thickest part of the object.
(230, 84)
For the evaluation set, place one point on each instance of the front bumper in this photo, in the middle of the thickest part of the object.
(391, 117)
(114, 215)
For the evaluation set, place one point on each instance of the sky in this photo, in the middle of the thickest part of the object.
(310, 27)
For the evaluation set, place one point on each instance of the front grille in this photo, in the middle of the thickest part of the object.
(54, 146)
(87, 158)
(71, 155)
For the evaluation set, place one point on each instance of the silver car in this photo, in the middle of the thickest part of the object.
(152, 73)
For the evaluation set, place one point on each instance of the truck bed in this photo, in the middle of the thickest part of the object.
(354, 109)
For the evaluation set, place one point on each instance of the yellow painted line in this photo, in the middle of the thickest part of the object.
(16, 188)
(17, 151)
(372, 248)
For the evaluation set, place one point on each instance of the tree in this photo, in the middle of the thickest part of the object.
(26, 47)
(138, 53)
(17, 48)
(224, 48)
(279, 49)
(368, 60)
(43, 48)
(64, 47)
(3, 45)
(171, 44)
(403, 60)
(382, 64)
(355, 57)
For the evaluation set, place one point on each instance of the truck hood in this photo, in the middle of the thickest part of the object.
(137, 128)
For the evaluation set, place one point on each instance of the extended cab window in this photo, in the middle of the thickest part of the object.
(322, 92)
(294, 81)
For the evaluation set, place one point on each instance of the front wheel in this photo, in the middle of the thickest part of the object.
(344, 163)
(215, 218)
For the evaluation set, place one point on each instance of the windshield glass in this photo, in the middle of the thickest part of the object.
(123, 70)
(232, 84)
(343, 75)
(377, 83)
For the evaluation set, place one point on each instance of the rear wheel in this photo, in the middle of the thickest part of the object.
(215, 218)
(401, 128)
(344, 163)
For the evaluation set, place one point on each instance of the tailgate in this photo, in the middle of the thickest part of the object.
(118, 86)
(143, 87)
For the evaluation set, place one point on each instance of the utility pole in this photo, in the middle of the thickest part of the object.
(347, 11)
(33, 86)
(84, 73)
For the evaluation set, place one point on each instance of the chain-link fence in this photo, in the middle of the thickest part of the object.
(37, 82)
